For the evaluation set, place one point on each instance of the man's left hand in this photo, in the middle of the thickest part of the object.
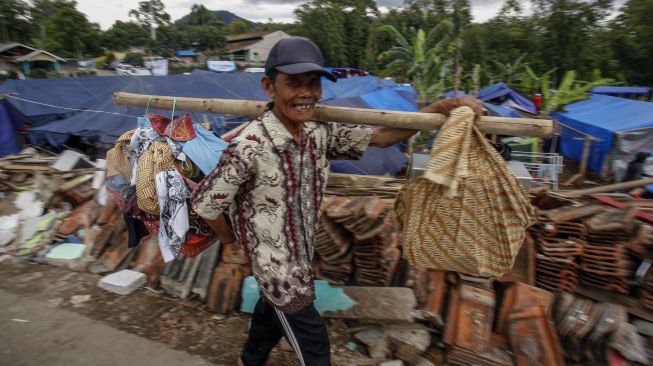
(446, 106)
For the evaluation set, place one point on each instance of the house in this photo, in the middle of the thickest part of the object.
(19, 57)
(253, 48)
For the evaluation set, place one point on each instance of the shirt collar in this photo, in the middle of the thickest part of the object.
(278, 132)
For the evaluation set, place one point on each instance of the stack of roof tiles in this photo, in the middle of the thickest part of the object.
(560, 235)
(607, 262)
(356, 242)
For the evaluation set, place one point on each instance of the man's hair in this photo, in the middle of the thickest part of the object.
(272, 75)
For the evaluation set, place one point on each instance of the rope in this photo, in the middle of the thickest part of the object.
(147, 108)
(67, 108)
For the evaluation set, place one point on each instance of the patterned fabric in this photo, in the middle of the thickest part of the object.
(118, 157)
(157, 158)
(467, 213)
(172, 194)
(272, 189)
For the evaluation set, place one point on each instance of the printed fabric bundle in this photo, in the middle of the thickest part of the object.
(151, 172)
(468, 213)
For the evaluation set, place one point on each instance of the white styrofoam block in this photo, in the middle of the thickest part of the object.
(122, 282)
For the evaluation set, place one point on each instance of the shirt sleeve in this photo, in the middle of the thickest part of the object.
(347, 142)
(215, 193)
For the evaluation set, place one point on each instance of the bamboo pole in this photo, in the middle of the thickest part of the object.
(607, 188)
(411, 120)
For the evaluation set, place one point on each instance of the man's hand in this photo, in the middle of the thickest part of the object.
(446, 106)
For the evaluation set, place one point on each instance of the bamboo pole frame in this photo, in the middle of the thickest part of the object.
(410, 120)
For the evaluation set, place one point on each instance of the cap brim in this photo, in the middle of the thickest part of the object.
(300, 68)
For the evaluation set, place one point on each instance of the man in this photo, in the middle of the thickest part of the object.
(635, 168)
(270, 183)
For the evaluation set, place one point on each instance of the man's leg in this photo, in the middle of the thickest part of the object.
(307, 334)
(264, 333)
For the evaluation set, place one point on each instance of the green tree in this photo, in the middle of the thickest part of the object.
(339, 27)
(569, 91)
(239, 26)
(202, 29)
(123, 35)
(425, 61)
(42, 10)
(150, 13)
(15, 21)
(631, 41)
(70, 34)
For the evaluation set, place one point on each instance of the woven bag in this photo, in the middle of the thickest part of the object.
(468, 213)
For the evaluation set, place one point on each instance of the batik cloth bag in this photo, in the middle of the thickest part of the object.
(468, 212)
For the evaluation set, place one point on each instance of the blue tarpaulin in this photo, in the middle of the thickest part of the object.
(501, 93)
(493, 110)
(601, 116)
(52, 125)
(10, 121)
(621, 90)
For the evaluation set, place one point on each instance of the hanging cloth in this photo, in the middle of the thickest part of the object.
(172, 195)
(468, 213)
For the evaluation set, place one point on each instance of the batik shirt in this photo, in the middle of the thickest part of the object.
(272, 187)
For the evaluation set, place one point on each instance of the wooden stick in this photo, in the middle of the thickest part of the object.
(411, 120)
(607, 188)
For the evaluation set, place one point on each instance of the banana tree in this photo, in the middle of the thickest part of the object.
(513, 72)
(532, 82)
(569, 91)
(424, 61)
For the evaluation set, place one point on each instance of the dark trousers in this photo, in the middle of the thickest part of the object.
(305, 331)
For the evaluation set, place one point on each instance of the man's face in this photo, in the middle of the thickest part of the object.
(294, 96)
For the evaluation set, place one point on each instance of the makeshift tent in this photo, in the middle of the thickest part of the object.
(54, 126)
(11, 120)
(493, 110)
(630, 92)
(624, 126)
(501, 94)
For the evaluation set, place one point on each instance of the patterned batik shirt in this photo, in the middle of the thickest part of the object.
(272, 189)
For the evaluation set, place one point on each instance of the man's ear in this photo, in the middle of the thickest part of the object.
(267, 85)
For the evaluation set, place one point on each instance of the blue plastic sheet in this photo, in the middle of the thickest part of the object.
(601, 116)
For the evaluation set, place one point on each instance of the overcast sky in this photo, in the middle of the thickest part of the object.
(107, 12)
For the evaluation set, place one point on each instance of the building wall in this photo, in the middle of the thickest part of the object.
(263, 47)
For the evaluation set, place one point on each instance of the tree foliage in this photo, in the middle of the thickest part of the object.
(151, 12)
(15, 21)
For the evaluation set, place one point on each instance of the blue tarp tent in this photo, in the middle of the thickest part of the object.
(501, 94)
(633, 92)
(41, 100)
(624, 127)
(10, 121)
(493, 110)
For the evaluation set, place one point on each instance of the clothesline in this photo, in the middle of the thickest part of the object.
(88, 110)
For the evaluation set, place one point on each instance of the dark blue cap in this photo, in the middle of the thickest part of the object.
(297, 55)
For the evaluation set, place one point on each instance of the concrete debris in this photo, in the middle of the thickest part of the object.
(375, 341)
(79, 300)
(122, 282)
(392, 363)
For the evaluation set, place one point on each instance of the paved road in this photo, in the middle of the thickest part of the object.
(34, 333)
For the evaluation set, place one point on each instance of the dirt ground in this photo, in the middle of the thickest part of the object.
(181, 324)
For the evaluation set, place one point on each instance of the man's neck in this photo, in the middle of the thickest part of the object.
(295, 129)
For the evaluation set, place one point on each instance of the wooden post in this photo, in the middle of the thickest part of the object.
(587, 144)
(409, 120)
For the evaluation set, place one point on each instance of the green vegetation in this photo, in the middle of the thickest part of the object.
(432, 44)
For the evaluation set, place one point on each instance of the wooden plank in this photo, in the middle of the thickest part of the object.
(385, 304)
(609, 201)
(630, 303)
(409, 120)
